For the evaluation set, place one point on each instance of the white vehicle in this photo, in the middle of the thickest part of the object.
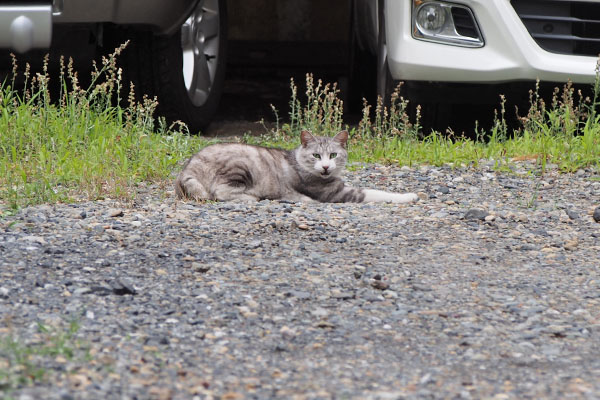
(480, 44)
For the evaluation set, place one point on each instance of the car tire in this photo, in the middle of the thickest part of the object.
(362, 67)
(185, 71)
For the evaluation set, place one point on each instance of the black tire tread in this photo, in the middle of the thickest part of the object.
(153, 63)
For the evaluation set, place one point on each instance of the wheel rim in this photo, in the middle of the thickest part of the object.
(200, 46)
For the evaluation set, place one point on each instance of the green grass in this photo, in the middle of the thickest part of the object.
(84, 145)
(565, 133)
(81, 146)
(22, 364)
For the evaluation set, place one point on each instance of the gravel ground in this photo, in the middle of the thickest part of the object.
(489, 287)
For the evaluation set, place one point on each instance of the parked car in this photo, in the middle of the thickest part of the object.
(452, 52)
(448, 53)
(178, 51)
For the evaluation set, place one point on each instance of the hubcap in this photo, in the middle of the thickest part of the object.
(200, 46)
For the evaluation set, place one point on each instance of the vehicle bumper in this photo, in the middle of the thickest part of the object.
(23, 27)
(165, 16)
(27, 25)
(509, 53)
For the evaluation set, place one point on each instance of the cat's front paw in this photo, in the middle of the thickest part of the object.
(406, 198)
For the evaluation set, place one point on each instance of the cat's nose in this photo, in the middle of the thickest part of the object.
(325, 167)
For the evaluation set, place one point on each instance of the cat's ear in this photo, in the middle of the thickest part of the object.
(342, 138)
(305, 138)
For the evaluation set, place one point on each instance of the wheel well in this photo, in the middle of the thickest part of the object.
(364, 24)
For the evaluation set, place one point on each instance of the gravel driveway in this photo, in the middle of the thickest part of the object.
(489, 287)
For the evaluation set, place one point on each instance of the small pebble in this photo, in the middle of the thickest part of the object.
(476, 214)
(596, 214)
(113, 213)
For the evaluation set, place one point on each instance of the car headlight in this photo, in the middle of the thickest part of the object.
(447, 23)
(431, 18)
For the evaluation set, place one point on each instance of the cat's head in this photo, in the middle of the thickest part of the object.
(323, 156)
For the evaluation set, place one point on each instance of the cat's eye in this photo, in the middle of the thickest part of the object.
(333, 155)
(317, 156)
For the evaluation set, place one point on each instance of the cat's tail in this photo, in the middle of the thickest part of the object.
(189, 187)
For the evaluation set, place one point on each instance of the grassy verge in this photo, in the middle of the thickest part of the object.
(565, 132)
(81, 145)
(84, 145)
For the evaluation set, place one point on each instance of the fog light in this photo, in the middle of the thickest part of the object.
(431, 17)
(447, 23)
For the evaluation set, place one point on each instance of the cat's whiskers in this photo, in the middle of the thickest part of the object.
(325, 166)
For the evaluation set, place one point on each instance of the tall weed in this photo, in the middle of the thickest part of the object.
(84, 144)
(565, 132)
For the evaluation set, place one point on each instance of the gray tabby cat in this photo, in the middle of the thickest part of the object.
(231, 171)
